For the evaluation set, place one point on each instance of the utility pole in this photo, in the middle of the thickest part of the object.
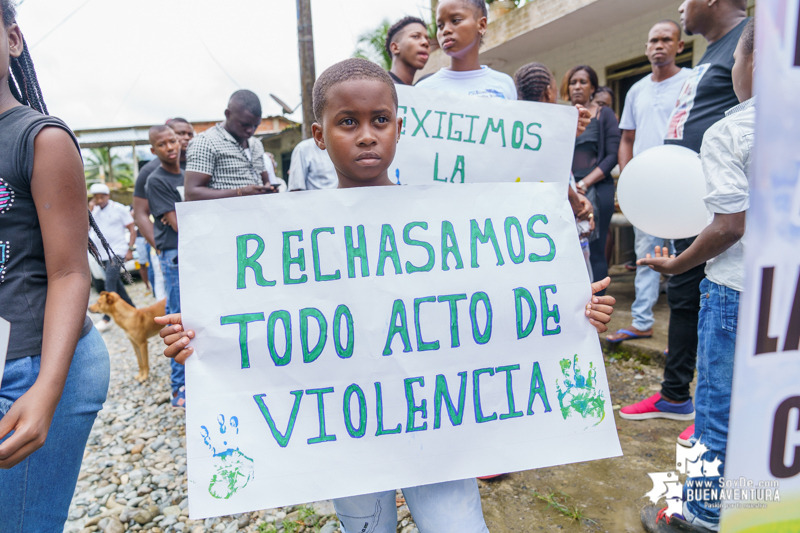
(305, 45)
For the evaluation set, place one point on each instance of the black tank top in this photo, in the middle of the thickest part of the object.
(23, 276)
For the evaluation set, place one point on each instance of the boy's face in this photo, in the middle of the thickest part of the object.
(184, 132)
(412, 46)
(166, 146)
(459, 29)
(360, 130)
(240, 123)
(742, 73)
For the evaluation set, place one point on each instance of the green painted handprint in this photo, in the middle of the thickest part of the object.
(579, 394)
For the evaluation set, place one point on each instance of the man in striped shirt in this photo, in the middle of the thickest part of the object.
(226, 160)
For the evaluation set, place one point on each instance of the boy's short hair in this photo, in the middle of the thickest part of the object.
(155, 130)
(397, 27)
(348, 70)
(246, 100)
(748, 37)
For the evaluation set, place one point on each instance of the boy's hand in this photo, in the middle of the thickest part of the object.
(250, 190)
(661, 261)
(175, 338)
(587, 209)
(584, 118)
(600, 309)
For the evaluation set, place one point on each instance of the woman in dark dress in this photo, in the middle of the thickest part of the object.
(595, 157)
(56, 372)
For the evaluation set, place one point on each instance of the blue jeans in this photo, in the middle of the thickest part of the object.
(169, 269)
(448, 506)
(716, 331)
(36, 493)
(647, 282)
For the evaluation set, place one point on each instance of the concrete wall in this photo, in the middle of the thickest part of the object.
(607, 47)
(281, 144)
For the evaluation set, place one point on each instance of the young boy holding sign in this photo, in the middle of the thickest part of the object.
(355, 104)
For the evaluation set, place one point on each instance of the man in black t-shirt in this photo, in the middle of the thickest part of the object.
(163, 191)
(141, 208)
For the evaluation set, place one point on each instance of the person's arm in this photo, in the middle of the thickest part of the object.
(141, 215)
(625, 153)
(723, 155)
(297, 171)
(196, 188)
(723, 232)
(171, 220)
(58, 187)
(132, 230)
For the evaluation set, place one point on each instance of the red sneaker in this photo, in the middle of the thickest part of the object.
(685, 436)
(655, 407)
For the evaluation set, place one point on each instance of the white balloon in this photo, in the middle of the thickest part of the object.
(661, 192)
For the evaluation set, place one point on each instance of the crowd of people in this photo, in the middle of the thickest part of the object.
(57, 370)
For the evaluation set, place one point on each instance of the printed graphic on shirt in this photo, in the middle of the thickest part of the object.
(4, 253)
(487, 93)
(6, 197)
(685, 102)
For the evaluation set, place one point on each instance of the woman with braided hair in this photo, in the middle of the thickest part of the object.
(56, 371)
(535, 83)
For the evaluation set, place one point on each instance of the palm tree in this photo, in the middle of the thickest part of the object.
(102, 166)
(371, 46)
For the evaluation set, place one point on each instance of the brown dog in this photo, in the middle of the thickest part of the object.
(138, 324)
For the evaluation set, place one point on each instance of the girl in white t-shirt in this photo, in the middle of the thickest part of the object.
(461, 25)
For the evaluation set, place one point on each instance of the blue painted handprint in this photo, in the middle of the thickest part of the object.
(233, 469)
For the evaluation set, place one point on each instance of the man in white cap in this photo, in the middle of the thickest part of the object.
(112, 218)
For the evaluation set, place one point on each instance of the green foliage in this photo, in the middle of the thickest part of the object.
(306, 511)
(290, 527)
(266, 528)
(552, 500)
(371, 46)
(101, 166)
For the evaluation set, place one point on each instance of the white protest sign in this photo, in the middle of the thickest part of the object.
(453, 138)
(359, 340)
(761, 487)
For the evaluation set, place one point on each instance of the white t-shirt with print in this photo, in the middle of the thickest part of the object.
(484, 83)
(648, 107)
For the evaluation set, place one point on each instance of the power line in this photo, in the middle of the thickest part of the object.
(202, 41)
(127, 95)
(65, 19)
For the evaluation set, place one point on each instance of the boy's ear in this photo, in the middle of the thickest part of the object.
(152, 150)
(681, 44)
(316, 133)
(394, 49)
(399, 127)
